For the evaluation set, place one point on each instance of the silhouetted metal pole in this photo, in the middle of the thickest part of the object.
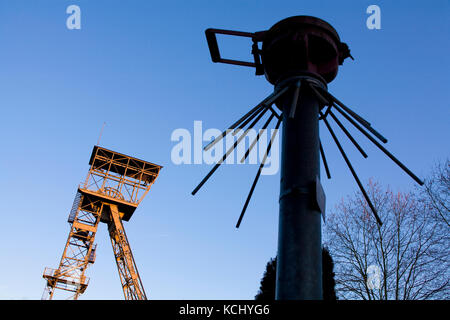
(299, 261)
(296, 53)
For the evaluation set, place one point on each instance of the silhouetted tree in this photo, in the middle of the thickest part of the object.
(267, 288)
(436, 192)
(328, 283)
(406, 258)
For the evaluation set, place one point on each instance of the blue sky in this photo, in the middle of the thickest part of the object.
(143, 67)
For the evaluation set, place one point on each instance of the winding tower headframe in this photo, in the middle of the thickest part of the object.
(113, 189)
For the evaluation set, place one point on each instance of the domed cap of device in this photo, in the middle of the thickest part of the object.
(302, 44)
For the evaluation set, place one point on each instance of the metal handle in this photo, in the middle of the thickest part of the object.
(212, 44)
(215, 51)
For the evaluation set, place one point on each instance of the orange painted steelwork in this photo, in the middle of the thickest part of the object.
(114, 187)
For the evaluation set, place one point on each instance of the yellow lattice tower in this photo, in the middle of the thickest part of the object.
(114, 187)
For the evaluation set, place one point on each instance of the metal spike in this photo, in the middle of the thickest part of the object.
(324, 160)
(348, 134)
(295, 99)
(257, 175)
(238, 122)
(257, 137)
(347, 109)
(257, 118)
(276, 95)
(266, 102)
(325, 114)
(250, 118)
(318, 95)
(227, 153)
(338, 104)
(275, 113)
(355, 176)
(372, 130)
(390, 155)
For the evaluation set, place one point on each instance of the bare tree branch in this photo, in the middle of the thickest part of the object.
(409, 252)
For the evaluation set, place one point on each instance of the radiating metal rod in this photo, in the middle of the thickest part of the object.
(275, 113)
(227, 153)
(318, 95)
(360, 119)
(338, 104)
(372, 130)
(295, 99)
(250, 118)
(272, 100)
(257, 137)
(355, 176)
(325, 164)
(325, 114)
(276, 95)
(257, 118)
(390, 155)
(257, 175)
(348, 134)
(234, 125)
(266, 102)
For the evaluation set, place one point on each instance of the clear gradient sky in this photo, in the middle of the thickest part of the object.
(143, 67)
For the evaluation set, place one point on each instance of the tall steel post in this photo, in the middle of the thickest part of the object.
(299, 260)
(297, 51)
